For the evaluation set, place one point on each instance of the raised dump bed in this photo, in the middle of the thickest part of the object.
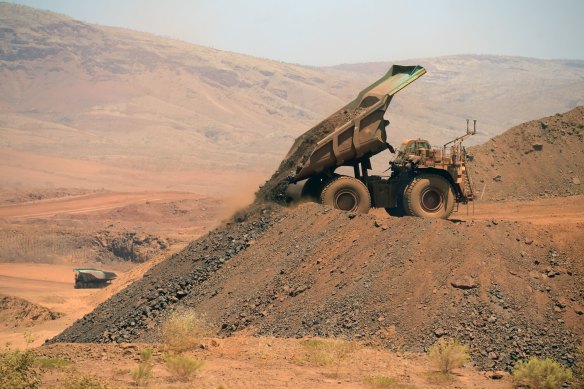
(363, 134)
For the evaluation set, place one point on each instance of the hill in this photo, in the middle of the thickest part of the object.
(540, 158)
(95, 107)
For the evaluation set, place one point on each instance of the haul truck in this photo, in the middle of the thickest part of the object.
(92, 278)
(425, 181)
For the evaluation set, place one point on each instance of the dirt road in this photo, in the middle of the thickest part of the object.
(266, 362)
(48, 285)
(87, 203)
(557, 210)
(552, 211)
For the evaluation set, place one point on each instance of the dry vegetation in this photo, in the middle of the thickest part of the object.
(448, 354)
(183, 367)
(328, 353)
(79, 380)
(142, 373)
(541, 374)
(183, 330)
(17, 369)
(238, 362)
(380, 381)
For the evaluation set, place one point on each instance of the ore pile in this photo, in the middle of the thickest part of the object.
(375, 282)
(537, 159)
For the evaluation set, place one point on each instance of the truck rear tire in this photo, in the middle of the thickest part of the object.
(429, 196)
(347, 194)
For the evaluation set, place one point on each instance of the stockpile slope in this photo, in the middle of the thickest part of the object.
(503, 287)
(540, 158)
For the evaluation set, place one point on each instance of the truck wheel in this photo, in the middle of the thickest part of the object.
(397, 211)
(312, 188)
(347, 194)
(400, 210)
(429, 196)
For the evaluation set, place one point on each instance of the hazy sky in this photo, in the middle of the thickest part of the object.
(328, 32)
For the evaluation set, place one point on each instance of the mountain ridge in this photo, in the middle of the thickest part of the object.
(169, 114)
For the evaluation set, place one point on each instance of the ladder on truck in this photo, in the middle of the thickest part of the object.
(468, 186)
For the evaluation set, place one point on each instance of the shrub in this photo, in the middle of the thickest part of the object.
(448, 354)
(183, 330)
(579, 368)
(51, 363)
(183, 367)
(17, 369)
(439, 378)
(142, 374)
(328, 353)
(541, 374)
(80, 381)
(323, 353)
(380, 381)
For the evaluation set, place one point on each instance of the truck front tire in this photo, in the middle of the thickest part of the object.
(347, 194)
(429, 196)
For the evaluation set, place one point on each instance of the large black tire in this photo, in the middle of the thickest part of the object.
(399, 210)
(312, 188)
(429, 196)
(347, 194)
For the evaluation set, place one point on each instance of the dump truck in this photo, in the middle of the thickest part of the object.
(92, 278)
(424, 181)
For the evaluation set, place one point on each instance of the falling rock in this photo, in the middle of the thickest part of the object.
(496, 375)
(439, 332)
(575, 180)
(464, 282)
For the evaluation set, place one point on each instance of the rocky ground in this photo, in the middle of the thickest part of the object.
(264, 362)
(16, 312)
(69, 226)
